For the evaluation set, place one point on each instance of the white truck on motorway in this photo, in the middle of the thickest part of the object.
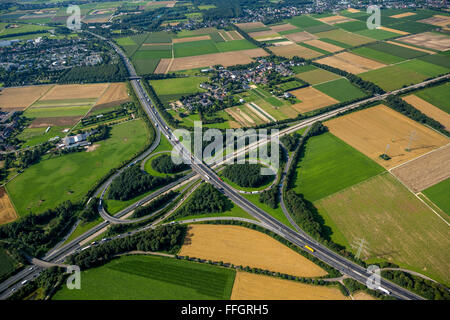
(384, 290)
(207, 177)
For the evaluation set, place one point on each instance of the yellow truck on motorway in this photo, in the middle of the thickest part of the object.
(309, 248)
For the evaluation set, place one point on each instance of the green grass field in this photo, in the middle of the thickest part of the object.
(377, 34)
(194, 48)
(151, 277)
(377, 55)
(317, 76)
(395, 50)
(304, 22)
(71, 111)
(438, 96)
(234, 45)
(398, 77)
(173, 89)
(439, 195)
(396, 226)
(423, 67)
(69, 177)
(34, 136)
(276, 213)
(340, 89)
(330, 165)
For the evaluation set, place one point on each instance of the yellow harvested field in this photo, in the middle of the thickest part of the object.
(264, 34)
(380, 126)
(245, 116)
(240, 122)
(225, 59)
(351, 62)
(7, 211)
(324, 45)
(250, 25)
(191, 39)
(163, 66)
(283, 27)
(20, 98)
(242, 246)
(429, 40)
(249, 286)
(311, 99)
(75, 91)
(425, 171)
(429, 109)
(352, 10)
(300, 36)
(115, 95)
(336, 19)
(292, 50)
(402, 15)
(393, 30)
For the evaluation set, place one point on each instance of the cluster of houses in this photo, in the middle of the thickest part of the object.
(224, 83)
(8, 125)
(46, 53)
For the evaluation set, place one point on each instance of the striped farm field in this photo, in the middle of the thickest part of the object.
(242, 246)
(152, 277)
(379, 56)
(248, 286)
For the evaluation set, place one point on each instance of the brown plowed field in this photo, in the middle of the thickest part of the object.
(248, 286)
(300, 36)
(430, 110)
(351, 62)
(324, 45)
(430, 40)
(7, 211)
(22, 97)
(292, 50)
(336, 19)
(437, 20)
(283, 27)
(242, 246)
(371, 130)
(425, 171)
(311, 99)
